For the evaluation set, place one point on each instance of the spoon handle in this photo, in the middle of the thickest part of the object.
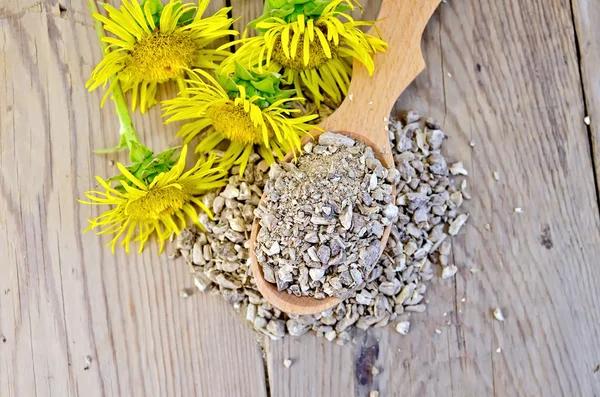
(371, 98)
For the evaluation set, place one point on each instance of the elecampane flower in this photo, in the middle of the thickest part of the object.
(244, 121)
(141, 208)
(312, 48)
(155, 44)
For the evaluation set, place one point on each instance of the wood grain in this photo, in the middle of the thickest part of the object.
(522, 107)
(513, 90)
(503, 74)
(245, 11)
(586, 14)
(62, 295)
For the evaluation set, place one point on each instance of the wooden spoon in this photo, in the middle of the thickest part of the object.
(363, 116)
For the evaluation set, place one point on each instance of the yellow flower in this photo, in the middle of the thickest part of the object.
(141, 207)
(155, 44)
(240, 120)
(314, 51)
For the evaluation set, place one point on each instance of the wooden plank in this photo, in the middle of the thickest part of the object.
(523, 109)
(62, 295)
(511, 85)
(319, 367)
(586, 14)
(245, 11)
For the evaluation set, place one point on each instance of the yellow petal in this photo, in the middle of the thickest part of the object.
(130, 176)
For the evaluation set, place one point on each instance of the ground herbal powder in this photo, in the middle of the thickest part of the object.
(323, 218)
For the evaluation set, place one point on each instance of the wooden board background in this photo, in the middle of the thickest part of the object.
(515, 77)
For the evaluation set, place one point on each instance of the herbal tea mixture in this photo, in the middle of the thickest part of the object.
(323, 218)
(428, 205)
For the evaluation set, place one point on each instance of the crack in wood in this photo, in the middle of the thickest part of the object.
(594, 149)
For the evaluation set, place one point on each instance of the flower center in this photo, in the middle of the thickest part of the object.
(235, 123)
(157, 202)
(317, 56)
(162, 57)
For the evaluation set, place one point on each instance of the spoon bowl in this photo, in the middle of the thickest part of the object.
(304, 304)
(363, 116)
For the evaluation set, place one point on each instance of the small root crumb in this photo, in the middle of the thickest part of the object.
(458, 169)
(449, 271)
(498, 314)
(403, 327)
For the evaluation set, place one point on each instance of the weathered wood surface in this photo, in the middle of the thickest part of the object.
(509, 81)
(62, 295)
(505, 75)
(586, 14)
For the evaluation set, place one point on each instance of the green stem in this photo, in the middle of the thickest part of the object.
(266, 7)
(127, 130)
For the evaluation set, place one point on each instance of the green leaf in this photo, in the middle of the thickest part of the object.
(265, 85)
(242, 73)
(122, 145)
(286, 93)
(282, 12)
(187, 17)
(147, 166)
(167, 154)
(230, 85)
(134, 167)
(155, 7)
(289, 10)
(263, 103)
(221, 78)
(276, 3)
(250, 91)
(139, 152)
